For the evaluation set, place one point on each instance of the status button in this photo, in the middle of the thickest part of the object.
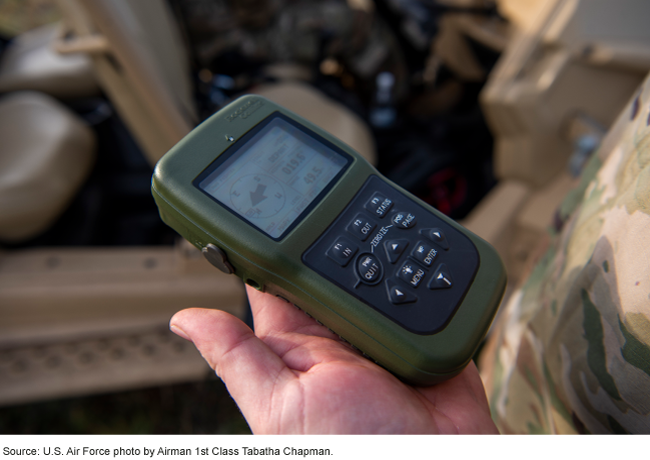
(379, 205)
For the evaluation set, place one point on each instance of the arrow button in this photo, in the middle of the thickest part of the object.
(437, 236)
(395, 248)
(441, 278)
(399, 295)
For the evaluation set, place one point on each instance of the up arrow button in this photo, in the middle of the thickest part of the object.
(395, 248)
(437, 236)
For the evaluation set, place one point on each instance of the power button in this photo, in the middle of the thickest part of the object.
(218, 258)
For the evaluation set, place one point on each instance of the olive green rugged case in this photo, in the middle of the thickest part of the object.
(276, 266)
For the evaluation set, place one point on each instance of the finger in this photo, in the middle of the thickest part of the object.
(250, 369)
(274, 316)
(299, 340)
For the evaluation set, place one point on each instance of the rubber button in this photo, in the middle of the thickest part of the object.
(379, 205)
(411, 273)
(399, 295)
(424, 253)
(404, 220)
(441, 278)
(361, 227)
(369, 269)
(342, 251)
(217, 258)
(437, 236)
(394, 249)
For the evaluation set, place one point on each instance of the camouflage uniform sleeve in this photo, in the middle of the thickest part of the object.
(571, 351)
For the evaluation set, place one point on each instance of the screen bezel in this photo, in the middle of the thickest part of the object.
(243, 141)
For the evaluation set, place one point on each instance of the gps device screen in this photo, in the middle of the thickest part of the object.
(274, 176)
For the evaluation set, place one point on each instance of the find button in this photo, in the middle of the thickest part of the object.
(217, 258)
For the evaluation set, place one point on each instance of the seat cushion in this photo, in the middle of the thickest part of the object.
(30, 64)
(46, 152)
(329, 115)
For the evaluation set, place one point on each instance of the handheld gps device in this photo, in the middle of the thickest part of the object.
(293, 211)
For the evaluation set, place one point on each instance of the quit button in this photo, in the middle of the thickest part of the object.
(369, 269)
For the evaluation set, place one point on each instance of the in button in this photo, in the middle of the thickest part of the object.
(342, 251)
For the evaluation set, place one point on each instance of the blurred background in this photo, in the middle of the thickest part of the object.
(486, 109)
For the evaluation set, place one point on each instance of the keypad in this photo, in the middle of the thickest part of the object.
(396, 256)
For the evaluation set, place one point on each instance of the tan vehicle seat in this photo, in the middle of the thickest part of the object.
(30, 63)
(323, 112)
(46, 153)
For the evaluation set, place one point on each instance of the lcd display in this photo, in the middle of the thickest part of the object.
(274, 176)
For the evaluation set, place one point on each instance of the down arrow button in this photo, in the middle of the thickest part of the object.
(398, 294)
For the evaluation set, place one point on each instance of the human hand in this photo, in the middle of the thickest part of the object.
(295, 376)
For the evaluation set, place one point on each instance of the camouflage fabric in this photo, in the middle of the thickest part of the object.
(571, 351)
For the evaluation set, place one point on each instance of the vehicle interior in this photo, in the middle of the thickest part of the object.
(486, 109)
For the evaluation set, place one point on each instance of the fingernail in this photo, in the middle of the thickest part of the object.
(179, 332)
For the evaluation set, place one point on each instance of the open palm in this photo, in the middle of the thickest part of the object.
(295, 376)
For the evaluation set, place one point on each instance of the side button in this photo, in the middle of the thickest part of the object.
(399, 295)
(217, 258)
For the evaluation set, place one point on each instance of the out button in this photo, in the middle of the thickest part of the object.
(361, 227)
